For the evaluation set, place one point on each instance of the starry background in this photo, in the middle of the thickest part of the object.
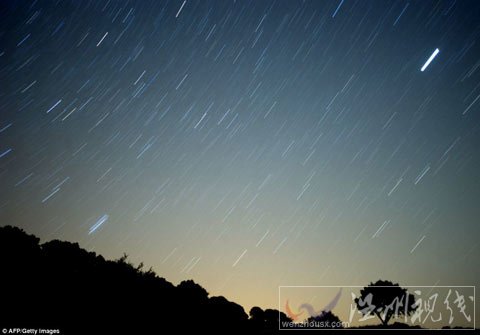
(248, 144)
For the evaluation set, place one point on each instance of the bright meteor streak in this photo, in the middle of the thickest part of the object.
(99, 222)
(435, 53)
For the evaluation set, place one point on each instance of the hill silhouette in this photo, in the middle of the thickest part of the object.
(58, 285)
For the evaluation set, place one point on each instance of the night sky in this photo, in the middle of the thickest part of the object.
(248, 144)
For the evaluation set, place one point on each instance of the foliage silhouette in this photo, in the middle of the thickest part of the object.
(327, 319)
(57, 284)
(385, 300)
(266, 321)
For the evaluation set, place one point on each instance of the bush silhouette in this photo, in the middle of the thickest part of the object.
(57, 284)
(188, 289)
(266, 321)
(385, 300)
(327, 319)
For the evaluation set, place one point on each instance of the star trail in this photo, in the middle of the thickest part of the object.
(248, 144)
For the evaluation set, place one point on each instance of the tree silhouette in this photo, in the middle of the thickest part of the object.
(257, 318)
(60, 285)
(266, 321)
(328, 319)
(189, 289)
(385, 300)
(225, 313)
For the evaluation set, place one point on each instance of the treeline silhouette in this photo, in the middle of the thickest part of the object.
(58, 285)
